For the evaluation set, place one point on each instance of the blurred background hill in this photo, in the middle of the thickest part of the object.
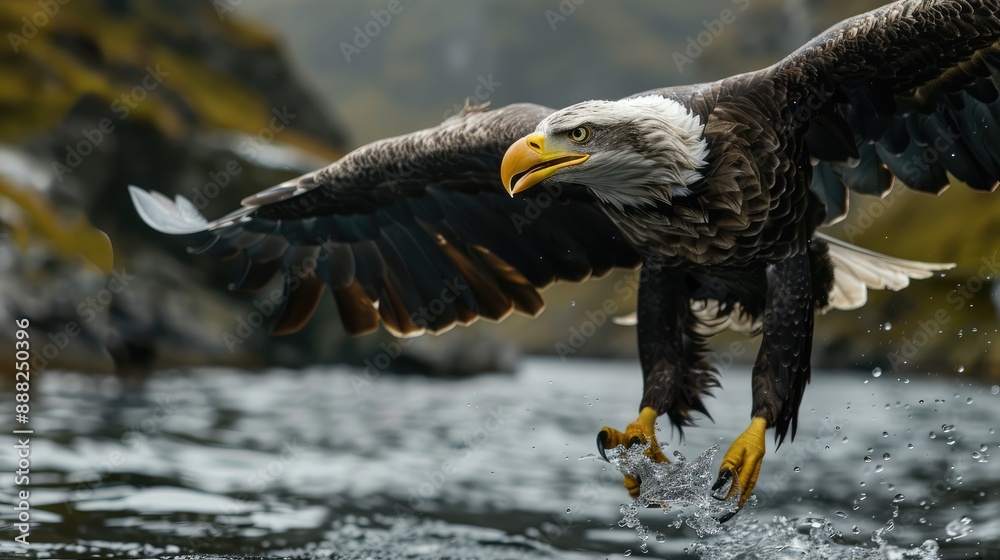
(177, 96)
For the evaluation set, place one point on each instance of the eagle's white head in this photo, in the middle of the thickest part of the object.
(632, 152)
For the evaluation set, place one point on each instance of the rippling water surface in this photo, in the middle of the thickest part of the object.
(327, 463)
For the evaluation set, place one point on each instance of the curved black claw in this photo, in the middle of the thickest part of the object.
(727, 516)
(724, 477)
(602, 437)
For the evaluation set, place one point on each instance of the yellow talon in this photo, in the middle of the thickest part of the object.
(636, 433)
(743, 460)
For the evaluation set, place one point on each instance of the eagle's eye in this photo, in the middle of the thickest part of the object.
(580, 134)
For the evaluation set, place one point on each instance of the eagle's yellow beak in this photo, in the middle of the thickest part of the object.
(526, 163)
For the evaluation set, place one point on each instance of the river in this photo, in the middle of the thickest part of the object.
(330, 462)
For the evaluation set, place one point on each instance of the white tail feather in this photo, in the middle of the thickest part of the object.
(856, 270)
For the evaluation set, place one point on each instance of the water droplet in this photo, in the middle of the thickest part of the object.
(868, 458)
(568, 510)
(660, 537)
(844, 440)
(887, 326)
(863, 496)
(968, 400)
(995, 389)
(983, 447)
(909, 446)
(871, 449)
(628, 552)
(644, 548)
(885, 434)
(877, 372)
(947, 427)
(959, 527)
(797, 469)
(932, 435)
(886, 457)
(856, 530)
(960, 369)
(879, 468)
(572, 303)
(840, 514)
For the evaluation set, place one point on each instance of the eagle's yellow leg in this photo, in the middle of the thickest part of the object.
(743, 460)
(636, 433)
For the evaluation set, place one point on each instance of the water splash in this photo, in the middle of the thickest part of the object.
(685, 486)
(682, 486)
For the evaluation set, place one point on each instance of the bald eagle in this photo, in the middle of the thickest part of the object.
(715, 190)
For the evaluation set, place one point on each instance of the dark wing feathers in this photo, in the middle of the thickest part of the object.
(415, 232)
(909, 90)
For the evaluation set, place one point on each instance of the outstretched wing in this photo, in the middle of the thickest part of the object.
(909, 90)
(414, 231)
